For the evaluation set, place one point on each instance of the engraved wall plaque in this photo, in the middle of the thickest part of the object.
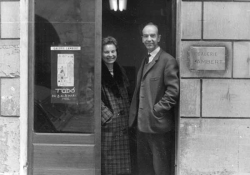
(207, 58)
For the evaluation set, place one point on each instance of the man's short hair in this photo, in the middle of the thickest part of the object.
(149, 24)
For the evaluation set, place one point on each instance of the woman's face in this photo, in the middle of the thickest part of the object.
(109, 54)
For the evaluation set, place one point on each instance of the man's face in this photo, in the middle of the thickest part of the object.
(150, 37)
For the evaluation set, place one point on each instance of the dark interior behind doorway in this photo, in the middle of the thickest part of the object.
(126, 27)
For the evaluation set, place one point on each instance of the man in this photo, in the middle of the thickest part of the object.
(151, 110)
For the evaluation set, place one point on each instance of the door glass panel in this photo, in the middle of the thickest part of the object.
(64, 66)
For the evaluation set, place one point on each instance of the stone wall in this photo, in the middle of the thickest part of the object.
(214, 130)
(10, 87)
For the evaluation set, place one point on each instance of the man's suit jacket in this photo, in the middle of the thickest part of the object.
(161, 84)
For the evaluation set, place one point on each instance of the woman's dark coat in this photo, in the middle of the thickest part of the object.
(115, 111)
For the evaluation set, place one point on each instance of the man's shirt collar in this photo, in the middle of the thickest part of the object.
(152, 54)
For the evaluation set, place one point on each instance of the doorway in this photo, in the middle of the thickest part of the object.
(58, 142)
(126, 27)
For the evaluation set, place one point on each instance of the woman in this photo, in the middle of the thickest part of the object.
(115, 105)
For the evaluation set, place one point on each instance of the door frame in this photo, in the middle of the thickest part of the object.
(30, 87)
(178, 57)
(24, 11)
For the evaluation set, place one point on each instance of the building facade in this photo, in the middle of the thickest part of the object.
(212, 49)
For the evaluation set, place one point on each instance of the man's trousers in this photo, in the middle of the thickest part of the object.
(154, 153)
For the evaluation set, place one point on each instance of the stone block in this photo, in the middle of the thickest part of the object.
(9, 145)
(228, 20)
(191, 20)
(185, 61)
(214, 146)
(225, 98)
(10, 97)
(9, 58)
(190, 98)
(241, 66)
(10, 19)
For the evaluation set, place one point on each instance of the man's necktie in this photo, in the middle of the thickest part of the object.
(147, 58)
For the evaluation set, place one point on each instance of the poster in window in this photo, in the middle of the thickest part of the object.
(65, 74)
(65, 70)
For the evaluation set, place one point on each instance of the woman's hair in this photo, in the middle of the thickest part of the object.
(109, 40)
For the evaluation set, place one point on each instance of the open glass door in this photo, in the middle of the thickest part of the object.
(64, 86)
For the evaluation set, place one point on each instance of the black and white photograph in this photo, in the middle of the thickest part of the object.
(124, 87)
